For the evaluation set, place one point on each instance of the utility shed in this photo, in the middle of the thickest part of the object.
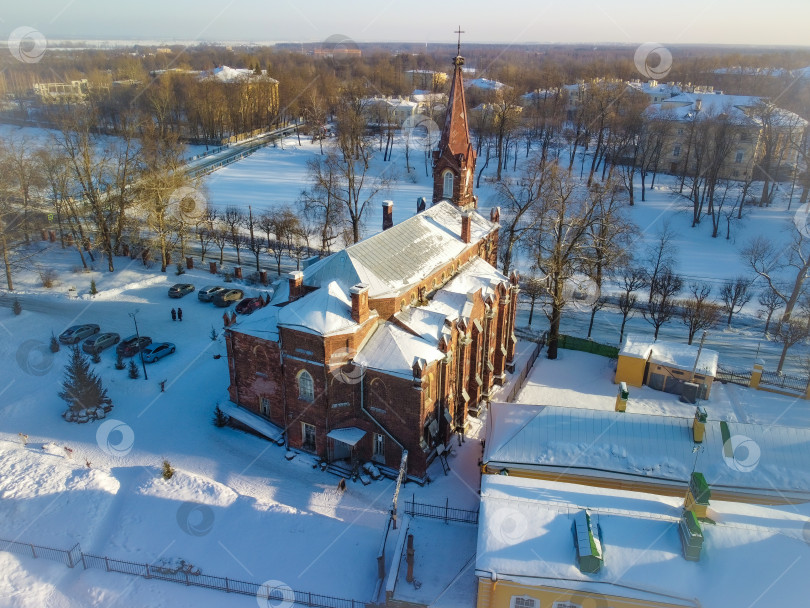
(666, 366)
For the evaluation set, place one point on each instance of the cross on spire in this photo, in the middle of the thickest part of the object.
(459, 31)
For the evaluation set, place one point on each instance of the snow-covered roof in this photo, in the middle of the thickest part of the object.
(257, 423)
(394, 350)
(658, 448)
(402, 256)
(349, 435)
(671, 354)
(749, 554)
(228, 74)
(424, 322)
(263, 323)
(484, 83)
(325, 311)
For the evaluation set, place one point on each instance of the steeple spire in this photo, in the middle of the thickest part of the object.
(454, 161)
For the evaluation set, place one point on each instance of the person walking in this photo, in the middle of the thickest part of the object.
(174, 315)
(179, 314)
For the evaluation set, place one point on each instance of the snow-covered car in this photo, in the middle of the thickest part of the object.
(77, 333)
(249, 305)
(181, 289)
(207, 293)
(153, 352)
(225, 298)
(98, 343)
(130, 346)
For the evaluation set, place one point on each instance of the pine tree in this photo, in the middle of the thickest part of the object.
(54, 344)
(17, 307)
(220, 418)
(134, 372)
(93, 288)
(168, 471)
(81, 388)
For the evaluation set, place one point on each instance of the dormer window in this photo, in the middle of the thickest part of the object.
(447, 189)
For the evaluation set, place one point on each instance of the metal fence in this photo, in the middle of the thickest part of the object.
(734, 377)
(445, 512)
(784, 381)
(185, 576)
(517, 385)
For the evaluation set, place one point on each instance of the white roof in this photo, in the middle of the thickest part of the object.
(402, 256)
(671, 354)
(325, 311)
(350, 435)
(484, 83)
(263, 323)
(751, 556)
(394, 350)
(228, 74)
(640, 446)
(257, 423)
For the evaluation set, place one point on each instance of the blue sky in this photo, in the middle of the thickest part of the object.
(782, 22)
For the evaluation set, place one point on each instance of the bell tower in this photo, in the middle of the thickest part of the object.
(454, 161)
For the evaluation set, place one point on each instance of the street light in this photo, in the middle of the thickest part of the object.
(138, 338)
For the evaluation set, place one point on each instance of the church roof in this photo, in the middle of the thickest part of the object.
(456, 133)
(394, 350)
(324, 311)
(402, 256)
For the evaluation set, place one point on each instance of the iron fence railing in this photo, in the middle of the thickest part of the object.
(444, 512)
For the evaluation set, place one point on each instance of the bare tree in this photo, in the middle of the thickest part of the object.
(789, 334)
(769, 262)
(735, 294)
(770, 302)
(697, 311)
(204, 229)
(533, 288)
(234, 219)
(660, 255)
(220, 236)
(662, 306)
(632, 280)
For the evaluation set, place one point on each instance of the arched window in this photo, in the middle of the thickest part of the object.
(306, 388)
(448, 184)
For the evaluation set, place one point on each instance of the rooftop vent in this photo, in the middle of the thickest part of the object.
(588, 544)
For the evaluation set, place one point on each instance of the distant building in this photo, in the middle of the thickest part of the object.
(389, 345)
(388, 111)
(61, 92)
(655, 91)
(427, 80)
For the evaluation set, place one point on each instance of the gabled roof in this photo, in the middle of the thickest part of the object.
(324, 311)
(671, 354)
(426, 323)
(402, 256)
(456, 133)
(746, 457)
(394, 350)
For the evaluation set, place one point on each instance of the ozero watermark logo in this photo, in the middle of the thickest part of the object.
(800, 218)
(421, 132)
(338, 49)
(195, 519)
(27, 44)
(115, 438)
(187, 204)
(34, 358)
(581, 292)
(343, 368)
(509, 526)
(653, 60)
(741, 453)
(275, 594)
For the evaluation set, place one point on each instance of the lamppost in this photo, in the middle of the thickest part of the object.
(138, 338)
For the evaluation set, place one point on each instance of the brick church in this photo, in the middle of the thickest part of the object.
(390, 344)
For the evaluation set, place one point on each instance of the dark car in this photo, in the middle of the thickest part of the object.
(130, 346)
(181, 289)
(98, 343)
(225, 298)
(77, 333)
(206, 294)
(153, 352)
(249, 305)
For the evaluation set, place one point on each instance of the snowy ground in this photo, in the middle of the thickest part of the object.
(560, 382)
(236, 506)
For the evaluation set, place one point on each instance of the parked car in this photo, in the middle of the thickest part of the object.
(153, 352)
(181, 289)
(98, 343)
(225, 298)
(130, 346)
(249, 305)
(207, 293)
(77, 333)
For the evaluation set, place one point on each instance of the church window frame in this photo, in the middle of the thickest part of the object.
(306, 386)
(448, 180)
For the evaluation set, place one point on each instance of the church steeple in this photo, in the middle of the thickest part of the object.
(454, 161)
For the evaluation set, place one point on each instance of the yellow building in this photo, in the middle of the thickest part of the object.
(652, 553)
(425, 80)
(665, 366)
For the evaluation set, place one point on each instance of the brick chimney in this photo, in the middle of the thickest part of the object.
(388, 214)
(296, 279)
(359, 303)
(466, 227)
(495, 215)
